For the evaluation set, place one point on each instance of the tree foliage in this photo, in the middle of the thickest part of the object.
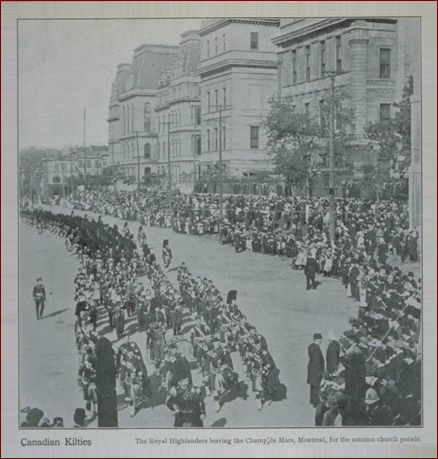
(393, 139)
(298, 140)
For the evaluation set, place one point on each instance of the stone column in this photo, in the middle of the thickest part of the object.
(358, 51)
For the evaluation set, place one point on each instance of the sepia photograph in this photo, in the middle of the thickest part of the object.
(220, 222)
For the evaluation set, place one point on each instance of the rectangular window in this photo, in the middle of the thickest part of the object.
(224, 92)
(307, 108)
(254, 40)
(208, 48)
(224, 48)
(224, 138)
(307, 62)
(321, 111)
(216, 98)
(322, 57)
(88, 163)
(208, 101)
(384, 112)
(294, 66)
(198, 115)
(215, 45)
(338, 54)
(254, 137)
(385, 63)
(208, 139)
(216, 139)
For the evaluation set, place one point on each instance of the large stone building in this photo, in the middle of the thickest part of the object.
(184, 103)
(131, 121)
(155, 102)
(177, 112)
(59, 175)
(372, 59)
(238, 71)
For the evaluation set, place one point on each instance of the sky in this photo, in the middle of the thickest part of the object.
(68, 65)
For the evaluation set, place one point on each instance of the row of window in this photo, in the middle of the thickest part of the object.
(128, 118)
(90, 163)
(384, 110)
(160, 149)
(175, 120)
(220, 99)
(384, 61)
(216, 45)
(213, 138)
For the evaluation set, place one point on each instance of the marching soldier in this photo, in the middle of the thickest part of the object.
(39, 298)
(167, 253)
(186, 404)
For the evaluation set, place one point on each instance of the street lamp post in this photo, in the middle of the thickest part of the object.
(168, 124)
(332, 203)
(138, 162)
(85, 153)
(221, 190)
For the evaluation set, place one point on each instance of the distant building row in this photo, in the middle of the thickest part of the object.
(174, 107)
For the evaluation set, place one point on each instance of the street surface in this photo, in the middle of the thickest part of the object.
(270, 294)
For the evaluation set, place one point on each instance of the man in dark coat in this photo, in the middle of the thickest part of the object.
(310, 269)
(315, 368)
(39, 297)
(179, 367)
(333, 352)
(186, 404)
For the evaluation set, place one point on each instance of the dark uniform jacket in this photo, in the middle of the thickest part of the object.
(332, 356)
(315, 367)
(188, 406)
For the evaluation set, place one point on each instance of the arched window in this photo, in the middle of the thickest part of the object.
(147, 151)
(147, 117)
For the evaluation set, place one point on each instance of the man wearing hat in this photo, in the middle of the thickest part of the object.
(315, 368)
(377, 414)
(333, 352)
(39, 297)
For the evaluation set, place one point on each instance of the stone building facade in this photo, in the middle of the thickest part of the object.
(131, 119)
(238, 71)
(370, 57)
(177, 112)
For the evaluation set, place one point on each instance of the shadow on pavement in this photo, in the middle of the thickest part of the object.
(55, 313)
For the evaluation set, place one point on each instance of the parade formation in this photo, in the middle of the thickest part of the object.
(193, 333)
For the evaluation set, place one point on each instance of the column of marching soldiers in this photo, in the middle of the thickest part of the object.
(372, 372)
(109, 293)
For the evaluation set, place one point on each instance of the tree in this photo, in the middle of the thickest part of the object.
(292, 138)
(299, 142)
(393, 139)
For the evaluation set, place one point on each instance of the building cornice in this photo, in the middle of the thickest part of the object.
(137, 93)
(304, 32)
(273, 22)
(177, 101)
(233, 63)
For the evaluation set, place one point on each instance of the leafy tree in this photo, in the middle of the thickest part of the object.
(393, 139)
(299, 142)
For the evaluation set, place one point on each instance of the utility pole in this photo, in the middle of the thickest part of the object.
(85, 153)
(168, 124)
(71, 174)
(113, 166)
(221, 203)
(332, 203)
(138, 162)
(168, 168)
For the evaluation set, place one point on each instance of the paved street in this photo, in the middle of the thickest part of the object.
(272, 296)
